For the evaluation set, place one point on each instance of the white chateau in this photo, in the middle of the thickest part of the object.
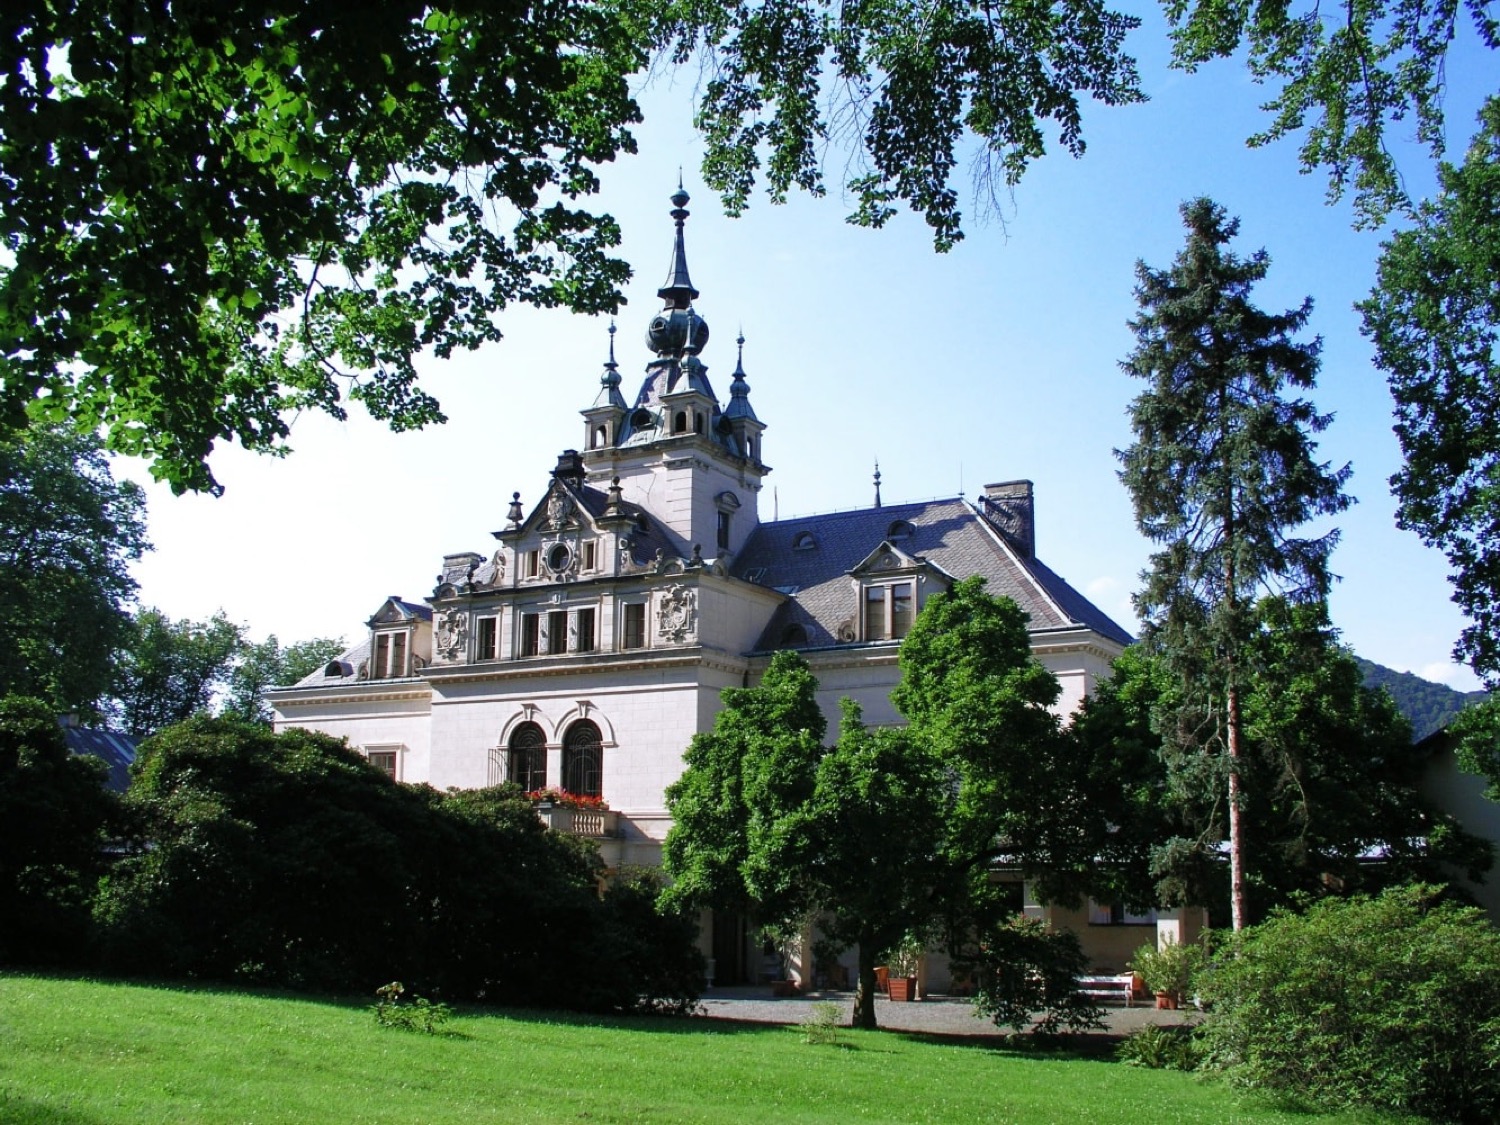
(587, 648)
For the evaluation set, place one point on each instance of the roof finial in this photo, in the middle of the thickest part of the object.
(877, 482)
(678, 291)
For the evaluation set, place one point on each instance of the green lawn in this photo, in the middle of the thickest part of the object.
(80, 1052)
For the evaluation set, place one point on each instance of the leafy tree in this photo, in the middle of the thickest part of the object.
(288, 859)
(757, 765)
(1222, 469)
(1434, 318)
(907, 81)
(216, 214)
(1330, 795)
(171, 670)
(54, 815)
(870, 839)
(266, 665)
(1343, 74)
(68, 532)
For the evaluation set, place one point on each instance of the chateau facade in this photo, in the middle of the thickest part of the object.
(592, 641)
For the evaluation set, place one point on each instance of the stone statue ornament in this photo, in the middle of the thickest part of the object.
(452, 634)
(677, 615)
(559, 507)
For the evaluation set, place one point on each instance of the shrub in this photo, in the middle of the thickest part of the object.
(419, 1015)
(822, 1025)
(1024, 968)
(1390, 1002)
(1161, 1048)
(1169, 969)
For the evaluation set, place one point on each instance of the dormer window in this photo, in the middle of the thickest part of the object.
(889, 610)
(389, 656)
(900, 529)
(804, 541)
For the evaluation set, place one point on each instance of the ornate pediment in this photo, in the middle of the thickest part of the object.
(885, 559)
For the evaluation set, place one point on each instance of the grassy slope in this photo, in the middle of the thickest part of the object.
(79, 1053)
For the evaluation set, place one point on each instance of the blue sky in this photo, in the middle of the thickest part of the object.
(994, 362)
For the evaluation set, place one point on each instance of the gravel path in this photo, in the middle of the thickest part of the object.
(939, 1015)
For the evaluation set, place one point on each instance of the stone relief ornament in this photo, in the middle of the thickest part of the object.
(498, 563)
(452, 634)
(677, 616)
(559, 507)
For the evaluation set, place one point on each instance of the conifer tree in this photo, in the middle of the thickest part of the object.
(1221, 472)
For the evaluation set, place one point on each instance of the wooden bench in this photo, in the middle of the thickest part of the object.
(1107, 988)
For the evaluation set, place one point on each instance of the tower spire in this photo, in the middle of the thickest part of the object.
(877, 482)
(678, 291)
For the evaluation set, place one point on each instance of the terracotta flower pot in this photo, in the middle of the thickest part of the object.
(1166, 1001)
(903, 988)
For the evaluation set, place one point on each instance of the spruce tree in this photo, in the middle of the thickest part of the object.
(1221, 472)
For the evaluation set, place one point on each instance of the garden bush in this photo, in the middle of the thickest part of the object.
(1390, 1002)
(1026, 978)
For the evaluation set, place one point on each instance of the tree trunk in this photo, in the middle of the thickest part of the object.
(1236, 829)
(864, 993)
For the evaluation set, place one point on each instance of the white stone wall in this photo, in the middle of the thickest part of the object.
(404, 721)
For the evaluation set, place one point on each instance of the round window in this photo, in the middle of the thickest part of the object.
(559, 557)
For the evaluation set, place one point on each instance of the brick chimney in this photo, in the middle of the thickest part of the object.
(1012, 510)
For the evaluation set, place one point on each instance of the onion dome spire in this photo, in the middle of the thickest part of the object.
(678, 291)
(739, 390)
(677, 330)
(609, 382)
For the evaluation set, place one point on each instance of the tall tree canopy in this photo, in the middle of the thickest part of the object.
(169, 671)
(1343, 74)
(1221, 472)
(1434, 318)
(68, 533)
(266, 664)
(218, 214)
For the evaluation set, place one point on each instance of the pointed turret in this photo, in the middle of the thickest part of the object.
(677, 330)
(602, 420)
(744, 427)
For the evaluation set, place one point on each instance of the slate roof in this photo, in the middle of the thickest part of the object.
(949, 534)
(114, 749)
(347, 662)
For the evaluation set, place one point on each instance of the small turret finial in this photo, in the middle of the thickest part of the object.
(877, 482)
(515, 514)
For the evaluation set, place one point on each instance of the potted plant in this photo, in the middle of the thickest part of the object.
(1168, 970)
(901, 963)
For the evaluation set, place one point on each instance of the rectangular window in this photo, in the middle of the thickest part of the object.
(585, 630)
(590, 560)
(532, 564)
(557, 633)
(633, 633)
(381, 659)
(531, 634)
(384, 761)
(486, 644)
(1115, 914)
(723, 531)
(889, 611)
(398, 654)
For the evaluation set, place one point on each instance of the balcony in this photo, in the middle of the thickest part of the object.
(594, 824)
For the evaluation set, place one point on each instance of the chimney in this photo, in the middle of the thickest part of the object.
(569, 468)
(1012, 510)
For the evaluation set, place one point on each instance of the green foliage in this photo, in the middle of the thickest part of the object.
(1390, 1002)
(55, 816)
(1026, 978)
(1428, 706)
(643, 956)
(259, 667)
(906, 81)
(724, 848)
(1343, 75)
(68, 533)
(218, 214)
(1330, 803)
(1476, 738)
(1221, 470)
(1170, 968)
(420, 1014)
(1434, 318)
(170, 670)
(821, 1027)
(1160, 1047)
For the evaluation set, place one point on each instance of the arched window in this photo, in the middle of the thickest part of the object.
(679, 422)
(527, 766)
(583, 760)
(697, 422)
(601, 437)
(793, 636)
(901, 529)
